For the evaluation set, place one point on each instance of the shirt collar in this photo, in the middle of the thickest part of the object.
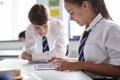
(94, 22)
(49, 29)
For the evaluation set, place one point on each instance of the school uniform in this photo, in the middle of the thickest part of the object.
(56, 37)
(103, 43)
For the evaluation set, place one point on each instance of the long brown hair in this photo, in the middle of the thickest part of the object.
(98, 6)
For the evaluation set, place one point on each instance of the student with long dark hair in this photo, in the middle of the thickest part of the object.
(99, 50)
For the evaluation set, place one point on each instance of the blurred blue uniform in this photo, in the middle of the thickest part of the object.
(5, 77)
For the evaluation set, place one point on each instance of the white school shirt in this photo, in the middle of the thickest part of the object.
(56, 37)
(103, 43)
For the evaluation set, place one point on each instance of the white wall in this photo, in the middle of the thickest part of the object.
(113, 8)
(14, 17)
(5, 19)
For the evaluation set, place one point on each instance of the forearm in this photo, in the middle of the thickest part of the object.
(101, 69)
(27, 56)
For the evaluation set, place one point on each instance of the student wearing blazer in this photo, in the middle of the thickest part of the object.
(101, 50)
(42, 24)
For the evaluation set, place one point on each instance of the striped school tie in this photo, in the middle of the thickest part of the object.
(45, 44)
(81, 47)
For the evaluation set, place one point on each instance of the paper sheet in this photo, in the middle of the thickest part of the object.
(9, 64)
(30, 76)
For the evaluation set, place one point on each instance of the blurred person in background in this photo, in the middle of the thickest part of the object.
(21, 36)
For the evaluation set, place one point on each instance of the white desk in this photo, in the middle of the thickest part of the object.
(46, 74)
(55, 75)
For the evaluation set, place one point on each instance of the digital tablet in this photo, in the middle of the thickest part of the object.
(44, 66)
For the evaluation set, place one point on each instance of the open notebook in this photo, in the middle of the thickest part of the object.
(11, 64)
(44, 66)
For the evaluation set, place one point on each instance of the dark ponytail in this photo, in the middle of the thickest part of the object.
(100, 7)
